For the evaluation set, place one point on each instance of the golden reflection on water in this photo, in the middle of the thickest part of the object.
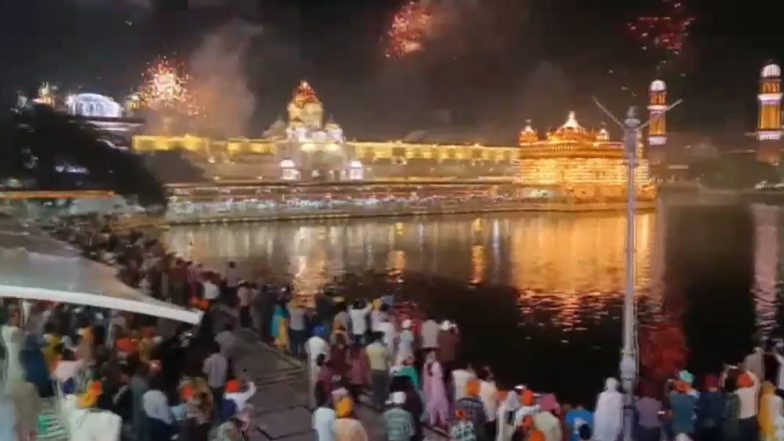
(555, 258)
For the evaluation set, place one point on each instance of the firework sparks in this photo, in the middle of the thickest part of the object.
(666, 32)
(165, 88)
(410, 27)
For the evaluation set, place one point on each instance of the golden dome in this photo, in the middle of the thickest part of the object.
(571, 130)
(304, 94)
(528, 134)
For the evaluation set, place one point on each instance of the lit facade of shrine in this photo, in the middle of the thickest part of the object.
(575, 163)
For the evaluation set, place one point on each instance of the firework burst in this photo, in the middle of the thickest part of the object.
(165, 88)
(410, 27)
(667, 32)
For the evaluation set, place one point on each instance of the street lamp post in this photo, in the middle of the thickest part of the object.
(628, 366)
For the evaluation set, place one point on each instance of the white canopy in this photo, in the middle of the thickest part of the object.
(37, 267)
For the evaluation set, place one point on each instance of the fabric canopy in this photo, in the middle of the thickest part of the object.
(37, 267)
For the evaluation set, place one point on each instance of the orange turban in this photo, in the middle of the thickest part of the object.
(536, 435)
(187, 392)
(233, 387)
(344, 408)
(745, 380)
(528, 398)
(472, 388)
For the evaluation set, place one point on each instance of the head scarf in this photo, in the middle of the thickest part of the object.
(344, 408)
(686, 376)
(528, 398)
(233, 387)
(549, 403)
(472, 388)
(745, 380)
(711, 382)
(90, 397)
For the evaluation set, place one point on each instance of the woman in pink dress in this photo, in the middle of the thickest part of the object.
(435, 392)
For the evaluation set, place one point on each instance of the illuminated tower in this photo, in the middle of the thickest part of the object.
(769, 122)
(657, 129)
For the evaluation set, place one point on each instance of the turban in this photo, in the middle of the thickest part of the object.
(233, 387)
(344, 408)
(536, 435)
(472, 388)
(528, 398)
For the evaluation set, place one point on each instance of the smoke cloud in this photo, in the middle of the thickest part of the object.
(219, 83)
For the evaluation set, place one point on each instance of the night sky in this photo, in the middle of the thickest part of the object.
(496, 63)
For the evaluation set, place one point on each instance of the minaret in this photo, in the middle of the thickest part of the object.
(657, 129)
(769, 122)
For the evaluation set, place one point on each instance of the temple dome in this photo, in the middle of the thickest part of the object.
(658, 86)
(771, 70)
(528, 134)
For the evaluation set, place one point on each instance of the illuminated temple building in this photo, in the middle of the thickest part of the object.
(576, 163)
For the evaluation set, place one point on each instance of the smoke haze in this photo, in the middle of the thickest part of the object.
(219, 83)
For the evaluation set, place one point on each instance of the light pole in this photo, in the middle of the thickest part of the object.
(628, 366)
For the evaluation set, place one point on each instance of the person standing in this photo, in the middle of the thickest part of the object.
(387, 328)
(430, 335)
(324, 417)
(755, 363)
(244, 295)
(473, 407)
(405, 345)
(297, 329)
(216, 369)
(647, 408)
(359, 371)
(460, 378)
(279, 328)
(232, 279)
(325, 310)
(682, 404)
(506, 417)
(448, 342)
(347, 427)
(710, 410)
(359, 316)
(314, 347)
(488, 393)
(138, 388)
(435, 392)
(770, 408)
(462, 429)
(578, 417)
(748, 391)
(379, 359)
(159, 414)
(377, 315)
(608, 418)
(398, 421)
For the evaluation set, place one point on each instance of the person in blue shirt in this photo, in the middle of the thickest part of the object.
(682, 403)
(577, 418)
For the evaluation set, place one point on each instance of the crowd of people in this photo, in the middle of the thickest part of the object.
(162, 379)
(156, 378)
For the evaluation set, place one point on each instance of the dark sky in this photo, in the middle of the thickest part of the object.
(496, 62)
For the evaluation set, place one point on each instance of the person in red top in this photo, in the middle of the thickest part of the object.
(359, 370)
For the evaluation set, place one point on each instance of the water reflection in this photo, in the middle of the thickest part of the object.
(539, 294)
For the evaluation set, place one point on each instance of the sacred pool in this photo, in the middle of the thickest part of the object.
(538, 296)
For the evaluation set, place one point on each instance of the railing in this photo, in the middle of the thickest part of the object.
(240, 213)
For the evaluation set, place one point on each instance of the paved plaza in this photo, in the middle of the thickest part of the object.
(281, 408)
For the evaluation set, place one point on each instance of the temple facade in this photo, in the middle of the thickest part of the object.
(575, 163)
(307, 149)
(569, 163)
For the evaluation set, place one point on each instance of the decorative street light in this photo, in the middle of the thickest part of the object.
(628, 367)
